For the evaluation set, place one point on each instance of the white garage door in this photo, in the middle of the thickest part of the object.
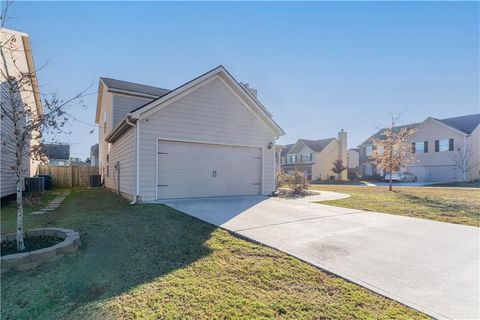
(186, 170)
(434, 173)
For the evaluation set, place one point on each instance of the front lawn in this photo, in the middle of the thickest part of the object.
(454, 205)
(152, 262)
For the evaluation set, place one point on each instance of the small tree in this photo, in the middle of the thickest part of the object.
(338, 168)
(280, 178)
(392, 151)
(20, 110)
(297, 182)
(466, 161)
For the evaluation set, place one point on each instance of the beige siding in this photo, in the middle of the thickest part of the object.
(7, 157)
(322, 169)
(431, 131)
(209, 114)
(123, 104)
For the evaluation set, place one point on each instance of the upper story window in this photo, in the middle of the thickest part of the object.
(419, 147)
(368, 150)
(311, 156)
(104, 122)
(444, 145)
(380, 149)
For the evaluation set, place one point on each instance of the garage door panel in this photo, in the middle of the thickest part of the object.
(204, 170)
(440, 173)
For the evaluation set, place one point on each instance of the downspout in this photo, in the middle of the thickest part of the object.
(464, 158)
(127, 121)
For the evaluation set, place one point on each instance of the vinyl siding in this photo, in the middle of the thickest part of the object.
(322, 169)
(122, 151)
(209, 114)
(102, 144)
(473, 145)
(7, 157)
(123, 104)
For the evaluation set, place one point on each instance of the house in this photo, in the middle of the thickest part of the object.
(208, 137)
(94, 155)
(56, 154)
(353, 160)
(18, 50)
(315, 157)
(446, 150)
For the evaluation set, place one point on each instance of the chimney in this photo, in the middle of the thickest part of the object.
(251, 90)
(342, 151)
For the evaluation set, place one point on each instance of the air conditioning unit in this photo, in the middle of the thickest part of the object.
(35, 184)
(95, 181)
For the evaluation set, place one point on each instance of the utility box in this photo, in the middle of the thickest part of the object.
(35, 184)
(95, 181)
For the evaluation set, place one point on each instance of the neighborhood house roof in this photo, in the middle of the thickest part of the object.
(466, 124)
(315, 145)
(56, 151)
(134, 87)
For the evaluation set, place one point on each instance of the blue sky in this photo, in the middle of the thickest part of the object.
(318, 67)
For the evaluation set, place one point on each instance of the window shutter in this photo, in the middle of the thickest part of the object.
(437, 145)
(450, 144)
(425, 146)
(413, 147)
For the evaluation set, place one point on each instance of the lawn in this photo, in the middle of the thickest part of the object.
(152, 262)
(453, 205)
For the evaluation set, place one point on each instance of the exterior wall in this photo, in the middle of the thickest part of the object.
(473, 155)
(103, 131)
(431, 131)
(209, 114)
(322, 169)
(303, 164)
(342, 152)
(7, 154)
(353, 159)
(122, 154)
(123, 104)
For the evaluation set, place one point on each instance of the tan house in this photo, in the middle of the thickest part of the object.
(445, 150)
(315, 157)
(208, 137)
(16, 61)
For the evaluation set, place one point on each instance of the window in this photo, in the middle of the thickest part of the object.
(443, 145)
(291, 159)
(311, 156)
(368, 150)
(419, 147)
(295, 158)
(105, 122)
(380, 149)
(108, 171)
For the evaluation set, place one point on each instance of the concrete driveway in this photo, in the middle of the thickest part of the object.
(430, 266)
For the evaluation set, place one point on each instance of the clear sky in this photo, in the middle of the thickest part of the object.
(318, 67)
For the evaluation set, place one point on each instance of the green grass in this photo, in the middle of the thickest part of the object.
(453, 205)
(152, 262)
(340, 182)
(31, 202)
(473, 184)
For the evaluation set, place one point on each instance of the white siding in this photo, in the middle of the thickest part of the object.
(102, 133)
(209, 114)
(123, 104)
(473, 145)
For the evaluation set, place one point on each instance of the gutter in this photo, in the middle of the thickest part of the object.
(128, 122)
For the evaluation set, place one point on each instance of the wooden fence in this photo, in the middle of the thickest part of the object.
(67, 177)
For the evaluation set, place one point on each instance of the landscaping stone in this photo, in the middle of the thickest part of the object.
(32, 259)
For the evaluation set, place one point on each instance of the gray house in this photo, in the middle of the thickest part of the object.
(446, 150)
(208, 137)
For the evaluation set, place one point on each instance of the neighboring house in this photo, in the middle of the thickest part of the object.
(56, 154)
(315, 157)
(208, 137)
(94, 155)
(353, 160)
(21, 53)
(446, 150)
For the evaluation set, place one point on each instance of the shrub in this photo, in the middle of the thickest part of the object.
(297, 182)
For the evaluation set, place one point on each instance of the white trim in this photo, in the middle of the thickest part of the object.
(137, 169)
(158, 139)
(275, 165)
(124, 93)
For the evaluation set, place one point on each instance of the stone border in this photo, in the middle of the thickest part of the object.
(32, 259)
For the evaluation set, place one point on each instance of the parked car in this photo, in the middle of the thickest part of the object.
(401, 177)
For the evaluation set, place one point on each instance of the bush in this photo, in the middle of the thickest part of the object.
(281, 179)
(297, 182)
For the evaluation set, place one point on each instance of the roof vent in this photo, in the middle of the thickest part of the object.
(251, 90)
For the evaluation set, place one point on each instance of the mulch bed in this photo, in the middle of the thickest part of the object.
(33, 243)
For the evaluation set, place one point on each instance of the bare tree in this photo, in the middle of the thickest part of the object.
(338, 168)
(20, 110)
(392, 151)
(466, 161)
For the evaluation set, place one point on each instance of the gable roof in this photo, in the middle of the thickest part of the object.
(465, 124)
(133, 87)
(287, 148)
(315, 145)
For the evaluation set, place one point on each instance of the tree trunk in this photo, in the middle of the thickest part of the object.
(20, 231)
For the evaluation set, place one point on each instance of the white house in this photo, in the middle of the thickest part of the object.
(16, 60)
(208, 137)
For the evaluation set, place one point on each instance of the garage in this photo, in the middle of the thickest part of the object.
(440, 173)
(188, 170)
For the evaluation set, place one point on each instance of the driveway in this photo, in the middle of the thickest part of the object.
(428, 265)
